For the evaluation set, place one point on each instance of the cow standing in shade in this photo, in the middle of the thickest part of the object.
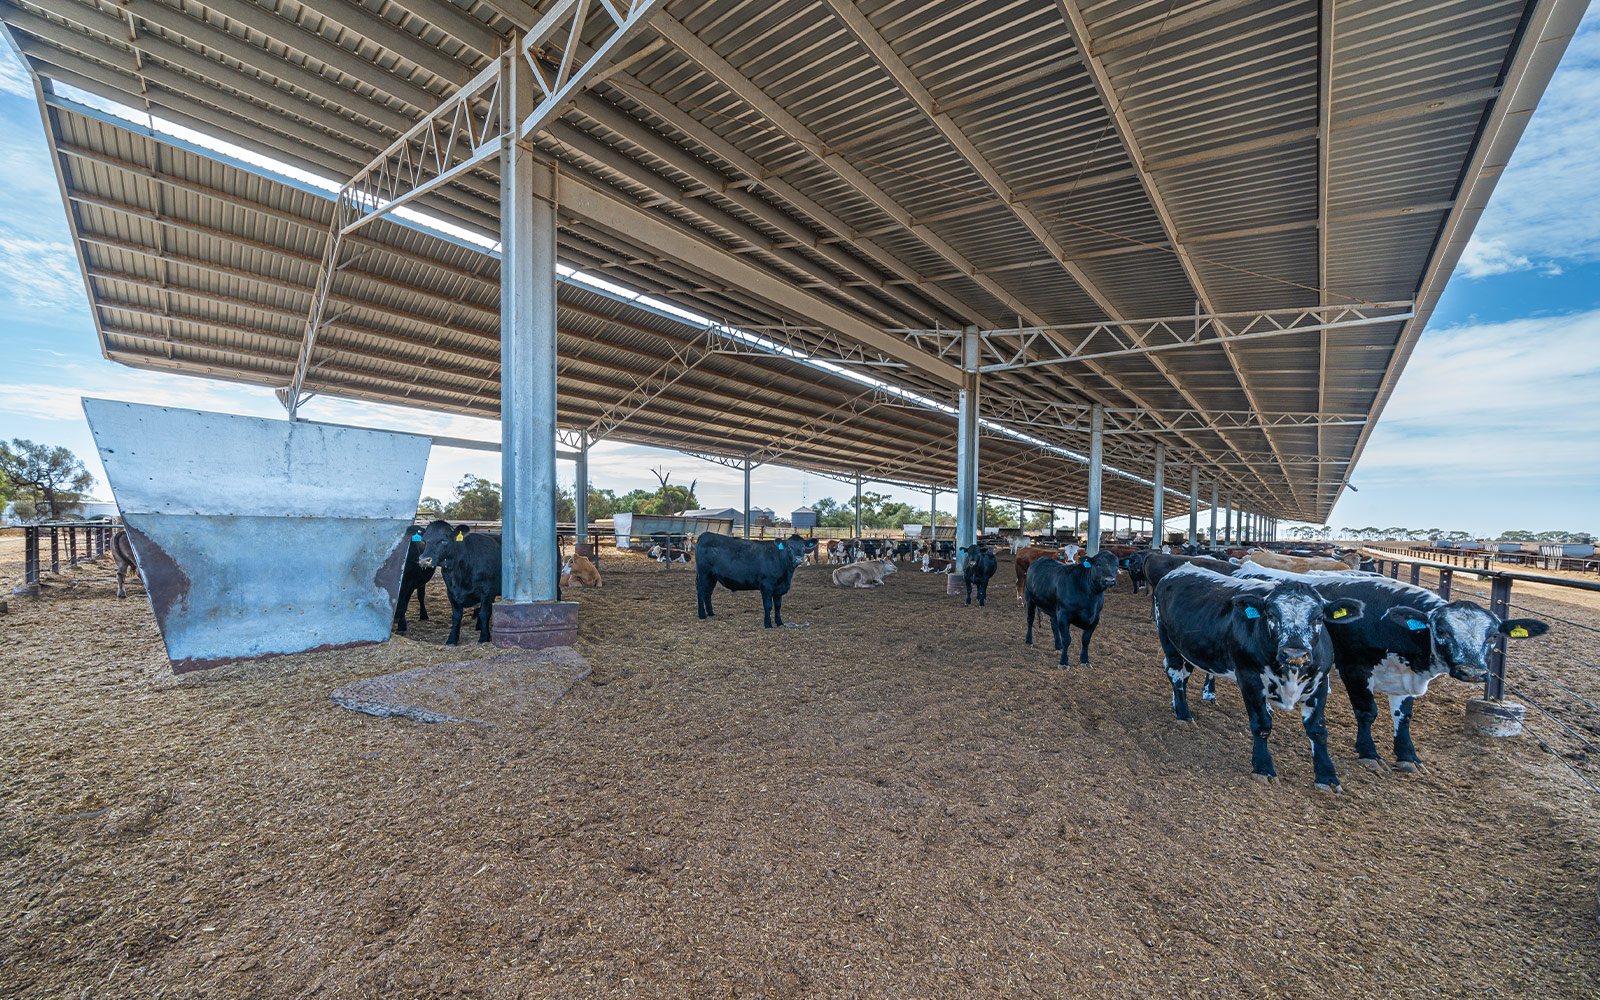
(1408, 637)
(744, 565)
(1271, 637)
(980, 567)
(471, 564)
(122, 555)
(413, 580)
(1070, 595)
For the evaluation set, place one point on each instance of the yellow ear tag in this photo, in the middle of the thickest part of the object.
(1339, 612)
(460, 535)
(1519, 633)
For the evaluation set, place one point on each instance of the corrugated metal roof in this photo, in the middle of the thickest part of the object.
(1035, 163)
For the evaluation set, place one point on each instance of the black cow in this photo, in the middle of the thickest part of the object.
(1270, 636)
(126, 561)
(1135, 565)
(947, 549)
(1408, 637)
(471, 563)
(1071, 595)
(744, 565)
(980, 566)
(413, 580)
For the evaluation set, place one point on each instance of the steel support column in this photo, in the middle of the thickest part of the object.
(1227, 519)
(528, 557)
(580, 493)
(1194, 505)
(1157, 520)
(1213, 513)
(1097, 448)
(933, 513)
(858, 506)
(967, 445)
(747, 497)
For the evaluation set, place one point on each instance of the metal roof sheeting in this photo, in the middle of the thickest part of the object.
(1039, 163)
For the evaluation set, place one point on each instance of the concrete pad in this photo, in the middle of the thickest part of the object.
(489, 691)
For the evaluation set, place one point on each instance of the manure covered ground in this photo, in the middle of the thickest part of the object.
(896, 799)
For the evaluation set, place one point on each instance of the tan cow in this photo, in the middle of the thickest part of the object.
(862, 575)
(579, 573)
(1028, 556)
(1304, 564)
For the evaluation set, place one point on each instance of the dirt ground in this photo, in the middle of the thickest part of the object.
(897, 799)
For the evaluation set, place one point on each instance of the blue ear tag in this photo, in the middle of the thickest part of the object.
(780, 545)
(1250, 612)
(417, 537)
(1414, 625)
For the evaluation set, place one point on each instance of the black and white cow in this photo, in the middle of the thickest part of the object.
(413, 580)
(471, 564)
(1071, 594)
(980, 567)
(1270, 636)
(1408, 637)
(745, 565)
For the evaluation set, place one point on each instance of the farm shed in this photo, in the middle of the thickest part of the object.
(1081, 253)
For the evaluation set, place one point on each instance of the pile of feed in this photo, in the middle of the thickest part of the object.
(895, 799)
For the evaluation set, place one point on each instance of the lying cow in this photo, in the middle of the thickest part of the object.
(1304, 564)
(1408, 637)
(980, 567)
(1071, 594)
(864, 574)
(471, 564)
(660, 554)
(739, 564)
(579, 571)
(413, 580)
(122, 555)
(1270, 636)
(930, 564)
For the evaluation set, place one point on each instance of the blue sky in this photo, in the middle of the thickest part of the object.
(1492, 425)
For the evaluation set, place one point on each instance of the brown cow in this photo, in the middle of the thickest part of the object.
(579, 572)
(1304, 564)
(122, 555)
(1028, 556)
(933, 565)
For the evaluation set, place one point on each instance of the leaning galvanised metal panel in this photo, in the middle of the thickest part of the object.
(260, 537)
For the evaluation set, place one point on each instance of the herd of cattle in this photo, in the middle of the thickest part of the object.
(1277, 625)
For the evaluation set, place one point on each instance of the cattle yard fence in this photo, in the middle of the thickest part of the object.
(75, 541)
(1557, 675)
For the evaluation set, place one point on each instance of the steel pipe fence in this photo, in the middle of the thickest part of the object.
(95, 538)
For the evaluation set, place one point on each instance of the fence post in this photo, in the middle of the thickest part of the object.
(55, 549)
(1445, 576)
(72, 546)
(30, 554)
(1394, 569)
(1499, 605)
(1416, 574)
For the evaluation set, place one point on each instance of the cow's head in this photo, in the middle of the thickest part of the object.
(440, 539)
(888, 567)
(1102, 570)
(1291, 618)
(795, 548)
(1462, 633)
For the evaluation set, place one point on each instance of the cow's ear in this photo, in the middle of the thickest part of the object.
(1407, 618)
(1249, 605)
(1343, 611)
(1523, 628)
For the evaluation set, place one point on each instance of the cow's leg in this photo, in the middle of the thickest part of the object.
(1405, 755)
(422, 604)
(485, 615)
(1365, 709)
(703, 585)
(1022, 581)
(400, 608)
(1209, 692)
(122, 576)
(777, 609)
(1029, 639)
(1178, 673)
(766, 608)
(1064, 631)
(1316, 725)
(969, 592)
(1083, 655)
(456, 612)
(1255, 702)
(983, 592)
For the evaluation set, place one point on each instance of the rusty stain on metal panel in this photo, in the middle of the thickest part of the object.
(260, 537)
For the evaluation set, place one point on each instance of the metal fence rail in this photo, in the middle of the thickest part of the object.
(1563, 688)
(94, 536)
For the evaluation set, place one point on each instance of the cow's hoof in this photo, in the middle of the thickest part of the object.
(1331, 787)
(1266, 779)
(1208, 696)
(1410, 766)
(451, 642)
(1373, 764)
(1188, 723)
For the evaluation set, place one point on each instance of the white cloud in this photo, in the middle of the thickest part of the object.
(14, 78)
(40, 274)
(1537, 215)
